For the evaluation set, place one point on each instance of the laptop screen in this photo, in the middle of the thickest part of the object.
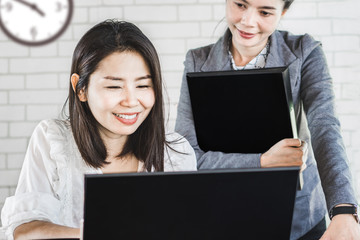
(211, 204)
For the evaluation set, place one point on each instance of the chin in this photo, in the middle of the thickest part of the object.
(126, 133)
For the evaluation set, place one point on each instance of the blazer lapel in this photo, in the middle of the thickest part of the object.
(281, 56)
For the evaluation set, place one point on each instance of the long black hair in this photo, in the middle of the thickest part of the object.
(148, 141)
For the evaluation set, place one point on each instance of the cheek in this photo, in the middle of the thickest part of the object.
(148, 99)
(231, 16)
(270, 24)
(268, 27)
(100, 101)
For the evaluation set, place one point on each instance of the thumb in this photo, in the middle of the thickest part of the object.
(293, 142)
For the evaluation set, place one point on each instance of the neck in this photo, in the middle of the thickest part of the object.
(243, 55)
(114, 143)
(128, 163)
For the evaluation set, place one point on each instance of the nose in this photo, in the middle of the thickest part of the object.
(130, 98)
(248, 18)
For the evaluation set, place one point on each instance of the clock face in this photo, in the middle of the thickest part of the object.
(35, 22)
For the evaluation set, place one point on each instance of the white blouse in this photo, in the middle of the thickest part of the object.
(50, 186)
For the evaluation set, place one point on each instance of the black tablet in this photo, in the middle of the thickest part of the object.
(244, 111)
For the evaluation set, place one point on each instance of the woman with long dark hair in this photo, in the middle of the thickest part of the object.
(115, 124)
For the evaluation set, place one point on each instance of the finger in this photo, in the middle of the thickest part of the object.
(292, 142)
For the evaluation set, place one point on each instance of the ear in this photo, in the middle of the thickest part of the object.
(74, 81)
(283, 12)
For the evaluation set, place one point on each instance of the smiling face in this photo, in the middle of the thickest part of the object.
(251, 22)
(120, 94)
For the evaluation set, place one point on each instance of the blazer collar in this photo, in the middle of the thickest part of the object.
(280, 54)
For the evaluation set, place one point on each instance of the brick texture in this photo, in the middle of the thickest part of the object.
(34, 81)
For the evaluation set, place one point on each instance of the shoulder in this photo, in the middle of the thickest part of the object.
(200, 52)
(52, 139)
(212, 57)
(54, 126)
(198, 56)
(301, 45)
(179, 155)
(50, 129)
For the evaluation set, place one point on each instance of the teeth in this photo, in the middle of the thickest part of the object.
(126, 116)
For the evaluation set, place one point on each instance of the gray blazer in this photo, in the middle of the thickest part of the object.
(327, 178)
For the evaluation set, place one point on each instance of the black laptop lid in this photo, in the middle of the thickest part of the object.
(218, 204)
(244, 111)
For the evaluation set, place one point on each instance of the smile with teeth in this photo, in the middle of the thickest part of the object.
(126, 116)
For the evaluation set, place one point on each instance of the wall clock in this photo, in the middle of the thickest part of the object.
(35, 22)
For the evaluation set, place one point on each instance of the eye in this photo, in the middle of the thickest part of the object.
(144, 83)
(144, 86)
(240, 5)
(113, 87)
(265, 13)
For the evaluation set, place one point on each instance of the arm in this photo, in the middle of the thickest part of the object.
(42, 229)
(318, 101)
(36, 197)
(285, 153)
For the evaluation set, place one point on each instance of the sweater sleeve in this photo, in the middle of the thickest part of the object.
(185, 126)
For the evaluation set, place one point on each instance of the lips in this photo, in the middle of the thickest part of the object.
(127, 118)
(246, 35)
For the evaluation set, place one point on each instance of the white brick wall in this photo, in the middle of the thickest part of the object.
(34, 81)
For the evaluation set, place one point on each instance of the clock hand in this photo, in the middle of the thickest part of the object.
(32, 6)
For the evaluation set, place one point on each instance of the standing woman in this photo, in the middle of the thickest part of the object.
(116, 124)
(252, 41)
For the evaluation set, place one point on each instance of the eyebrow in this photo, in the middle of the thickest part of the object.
(262, 7)
(121, 79)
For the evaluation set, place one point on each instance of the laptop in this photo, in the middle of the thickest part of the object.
(244, 111)
(208, 204)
